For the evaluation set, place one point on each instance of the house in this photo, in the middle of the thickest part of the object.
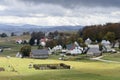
(88, 41)
(57, 48)
(74, 49)
(35, 42)
(42, 44)
(117, 44)
(19, 41)
(18, 55)
(41, 54)
(105, 42)
(1, 49)
(106, 46)
(94, 51)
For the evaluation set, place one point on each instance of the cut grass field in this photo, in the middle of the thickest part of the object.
(79, 71)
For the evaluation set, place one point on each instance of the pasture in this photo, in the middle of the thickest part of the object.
(18, 69)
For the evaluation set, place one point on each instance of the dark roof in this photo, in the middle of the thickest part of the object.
(70, 46)
(43, 53)
(94, 50)
(40, 52)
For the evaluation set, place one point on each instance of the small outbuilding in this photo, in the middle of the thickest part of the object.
(40, 54)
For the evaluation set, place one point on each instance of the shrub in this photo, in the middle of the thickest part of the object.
(25, 51)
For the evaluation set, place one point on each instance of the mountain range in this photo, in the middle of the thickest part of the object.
(18, 29)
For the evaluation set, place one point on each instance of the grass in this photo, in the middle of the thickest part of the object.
(79, 71)
(14, 49)
(14, 38)
(113, 57)
(18, 69)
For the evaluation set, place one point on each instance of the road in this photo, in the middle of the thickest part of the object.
(100, 59)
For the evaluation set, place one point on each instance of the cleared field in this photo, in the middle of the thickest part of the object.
(18, 69)
(14, 38)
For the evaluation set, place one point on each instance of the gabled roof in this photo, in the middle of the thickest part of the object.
(94, 49)
(88, 41)
(41, 54)
(70, 46)
(105, 42)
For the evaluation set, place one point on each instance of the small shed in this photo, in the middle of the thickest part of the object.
(40, 54)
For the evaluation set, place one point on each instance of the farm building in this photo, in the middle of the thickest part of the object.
(94, 50)
(42, 54)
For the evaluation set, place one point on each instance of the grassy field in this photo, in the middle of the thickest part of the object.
(79, 71)
(14, 38)
(18, 69)
(113, 57)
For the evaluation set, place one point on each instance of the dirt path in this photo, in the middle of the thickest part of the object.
(99, 59)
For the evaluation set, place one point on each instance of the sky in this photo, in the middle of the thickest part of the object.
(59, 12)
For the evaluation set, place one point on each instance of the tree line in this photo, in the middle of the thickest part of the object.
(100, 32)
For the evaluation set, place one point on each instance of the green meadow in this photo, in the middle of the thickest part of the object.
(18, 69)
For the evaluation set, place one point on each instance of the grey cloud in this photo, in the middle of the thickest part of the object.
(74, 3)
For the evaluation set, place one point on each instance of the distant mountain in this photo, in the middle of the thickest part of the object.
(18, 29)
(62, 28)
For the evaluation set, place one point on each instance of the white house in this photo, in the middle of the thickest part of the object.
(58, 47)
(74, 49)
(117, 44)
(106, 46)
(18, 55)
(88, 41)
(19, 41)
(42, 44)
(35, 42)
(94, 51)
(54, 49)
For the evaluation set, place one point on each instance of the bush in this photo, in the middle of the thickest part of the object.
(52, 67)
(2, 69)
(25, 51)
(62, 64)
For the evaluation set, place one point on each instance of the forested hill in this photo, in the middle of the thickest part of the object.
(99, 32)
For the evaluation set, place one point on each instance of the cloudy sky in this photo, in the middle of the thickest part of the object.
(59, 12)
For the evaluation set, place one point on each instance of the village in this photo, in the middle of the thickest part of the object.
(57, 52)
(59, 39)
(74, 49)
(64, 45)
